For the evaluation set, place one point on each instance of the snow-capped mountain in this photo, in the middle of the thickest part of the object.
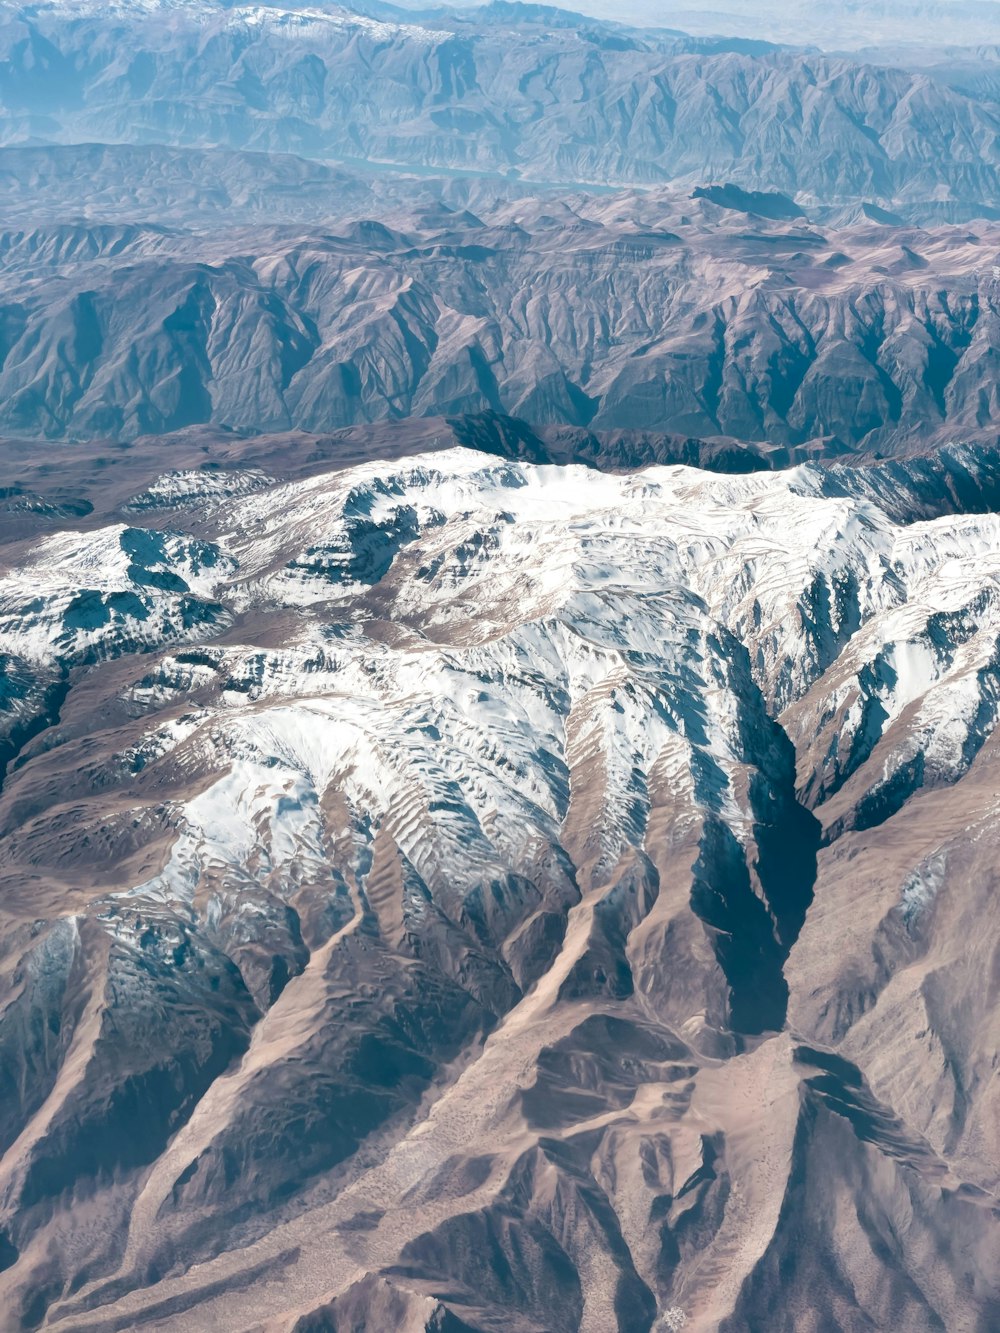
(514, 895)
(499, 670)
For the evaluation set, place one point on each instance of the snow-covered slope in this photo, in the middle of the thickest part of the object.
(269, 20)
(410, 877)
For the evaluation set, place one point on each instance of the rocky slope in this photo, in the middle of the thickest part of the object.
(698, 317)
(506, 88)
(460, 893)
(462, 866)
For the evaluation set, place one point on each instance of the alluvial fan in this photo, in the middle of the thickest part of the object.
(456, 893)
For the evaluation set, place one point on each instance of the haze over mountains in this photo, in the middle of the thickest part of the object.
(500, 89)
(847, 25)
(499, 644)
(136, 300)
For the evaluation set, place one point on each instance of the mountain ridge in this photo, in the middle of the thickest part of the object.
(549, 104)
(647, 312)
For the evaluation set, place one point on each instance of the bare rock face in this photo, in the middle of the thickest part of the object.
(377, 1302)
(461, 892)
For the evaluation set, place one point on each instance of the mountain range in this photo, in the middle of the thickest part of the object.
(499, 668)
(466, 893)
(693, 316)
(519, 90)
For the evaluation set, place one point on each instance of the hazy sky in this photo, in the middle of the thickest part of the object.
(841, 23)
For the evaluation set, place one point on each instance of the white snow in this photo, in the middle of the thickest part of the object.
(558, 631)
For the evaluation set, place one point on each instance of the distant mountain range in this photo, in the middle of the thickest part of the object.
(501, 89)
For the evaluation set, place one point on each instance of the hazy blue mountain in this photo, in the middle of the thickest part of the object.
(500, 90)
